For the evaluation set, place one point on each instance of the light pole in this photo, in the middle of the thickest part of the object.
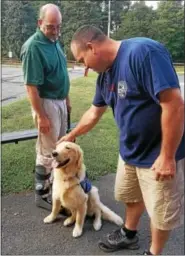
(109, 21)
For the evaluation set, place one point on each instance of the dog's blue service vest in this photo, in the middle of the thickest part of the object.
(86, 185)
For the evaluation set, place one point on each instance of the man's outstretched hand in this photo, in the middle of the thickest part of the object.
(67, 137)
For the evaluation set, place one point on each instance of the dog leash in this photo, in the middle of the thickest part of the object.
(68, 122)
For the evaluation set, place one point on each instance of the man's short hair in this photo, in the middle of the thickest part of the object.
(87, 34)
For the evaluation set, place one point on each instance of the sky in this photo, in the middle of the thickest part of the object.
(151, 3)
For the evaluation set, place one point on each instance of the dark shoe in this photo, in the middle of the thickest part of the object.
(117, 240)
(46, 203)
(43, 190)
(145, 253)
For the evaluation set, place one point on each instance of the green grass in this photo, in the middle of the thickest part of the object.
(179, 69)
(100, 145)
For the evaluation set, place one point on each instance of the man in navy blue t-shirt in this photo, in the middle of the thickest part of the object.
(138, 81)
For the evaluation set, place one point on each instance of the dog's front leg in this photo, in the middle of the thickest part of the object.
(70, 220)
(80, 217)
(55, 210)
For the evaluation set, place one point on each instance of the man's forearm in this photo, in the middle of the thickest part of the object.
(172, 122)
(87, 122)
(35, 100)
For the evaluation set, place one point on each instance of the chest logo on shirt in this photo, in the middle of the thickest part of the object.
(122, 89)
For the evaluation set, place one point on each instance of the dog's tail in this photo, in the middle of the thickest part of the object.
(108, 214)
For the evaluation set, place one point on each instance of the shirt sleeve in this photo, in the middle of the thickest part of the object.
(33, 71)
(98, 100)
(157, 73)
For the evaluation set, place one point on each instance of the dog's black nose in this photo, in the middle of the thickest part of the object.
(54, 154)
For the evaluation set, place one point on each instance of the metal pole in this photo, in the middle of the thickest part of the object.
(109, 21)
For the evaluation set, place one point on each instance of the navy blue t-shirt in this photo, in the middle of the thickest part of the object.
(142, 69)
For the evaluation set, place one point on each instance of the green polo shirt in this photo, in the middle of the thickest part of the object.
(44, 65)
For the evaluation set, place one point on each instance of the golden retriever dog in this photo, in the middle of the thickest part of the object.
(69, 172)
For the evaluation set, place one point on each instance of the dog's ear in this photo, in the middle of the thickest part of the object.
(79, 161)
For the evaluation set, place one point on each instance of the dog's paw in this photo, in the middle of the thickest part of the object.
(119, 221)
(68, 222)
(97, 224)
(77, 231)
(49, 219)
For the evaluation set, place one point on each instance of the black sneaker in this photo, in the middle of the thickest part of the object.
(42, 202)
(118, 240)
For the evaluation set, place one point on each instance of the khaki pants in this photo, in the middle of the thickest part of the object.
(56, 111)
(164, 200)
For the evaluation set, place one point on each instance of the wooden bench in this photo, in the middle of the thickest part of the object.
(15, 137)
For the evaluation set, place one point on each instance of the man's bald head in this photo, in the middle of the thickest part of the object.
(49, 9)
(50, 20)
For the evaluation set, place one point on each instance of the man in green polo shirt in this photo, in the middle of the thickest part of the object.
(47, 82)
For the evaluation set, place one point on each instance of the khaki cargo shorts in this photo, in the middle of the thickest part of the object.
(164, 200)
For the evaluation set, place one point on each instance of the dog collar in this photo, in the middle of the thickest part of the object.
(72, 177)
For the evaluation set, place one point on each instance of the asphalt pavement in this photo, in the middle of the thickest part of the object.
(13, 88)
(24, 233)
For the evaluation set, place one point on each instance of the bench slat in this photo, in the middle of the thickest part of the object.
(9, 137)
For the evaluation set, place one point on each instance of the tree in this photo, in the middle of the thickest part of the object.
(76, 14)
(118, 8)
(20, 23)
(4, 7)
(166, 24)
(79, 13)
(138, 21)
(170, 27)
